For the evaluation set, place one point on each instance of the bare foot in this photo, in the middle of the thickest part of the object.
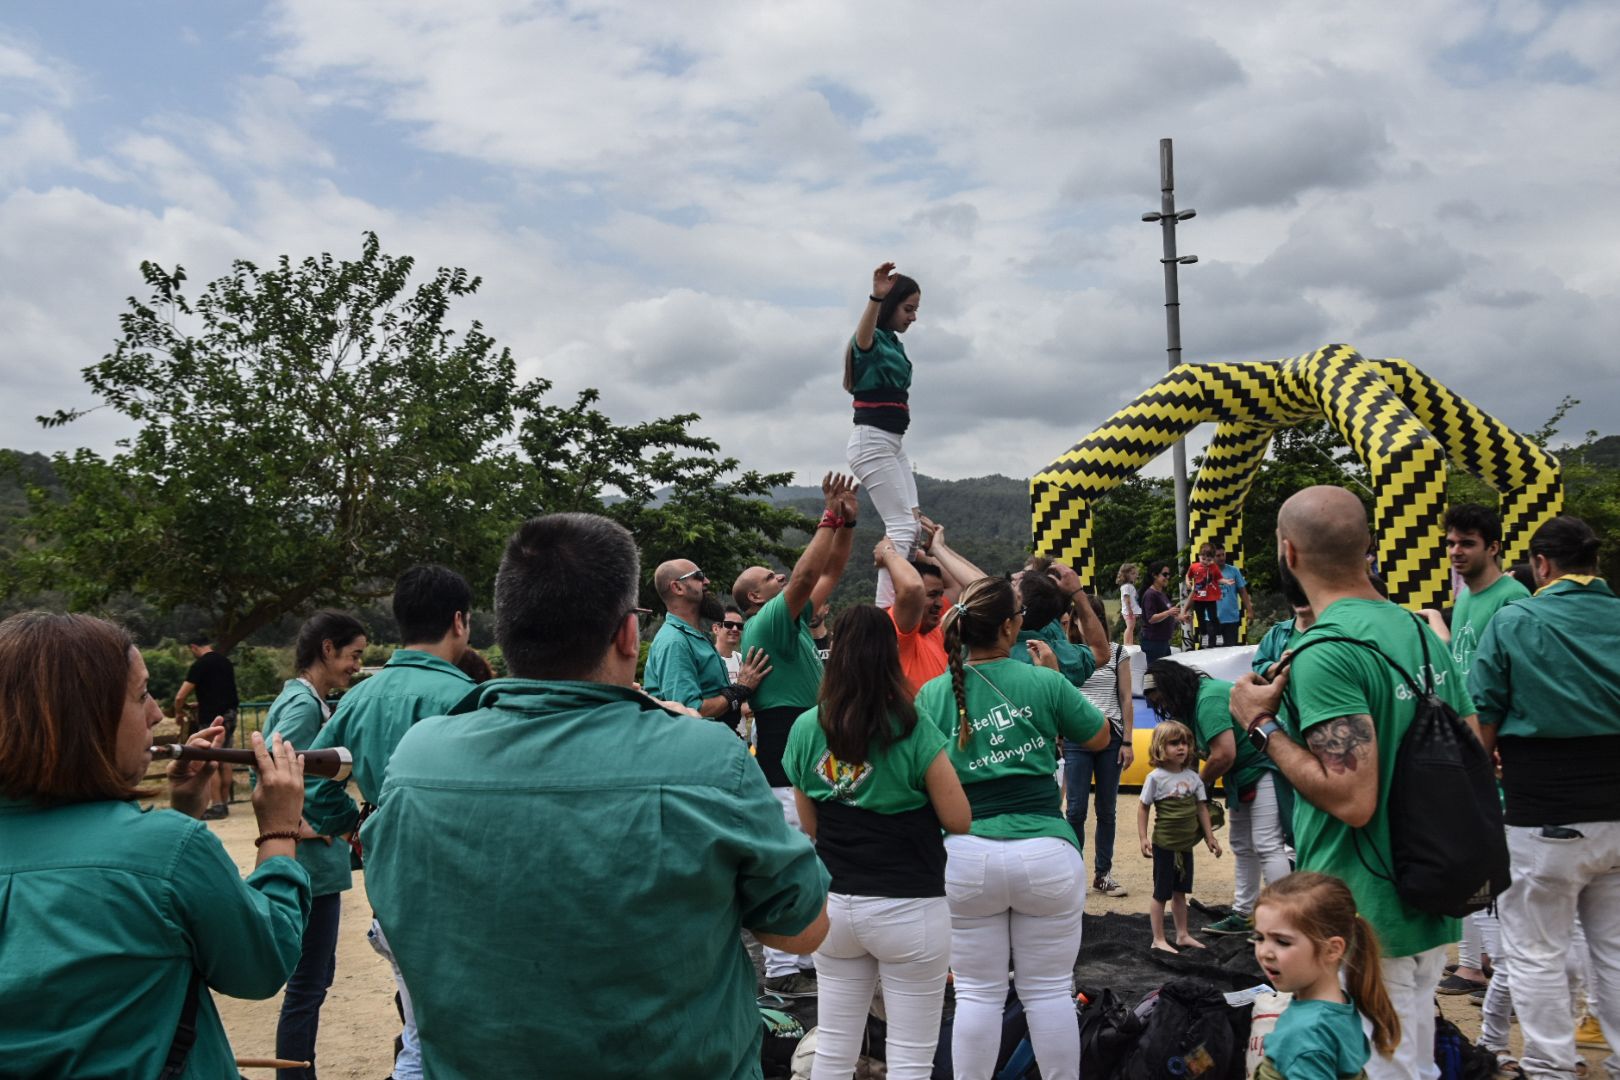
(1164, 946)
(1191, 943)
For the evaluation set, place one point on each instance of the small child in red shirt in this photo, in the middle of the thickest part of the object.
(1204, 580)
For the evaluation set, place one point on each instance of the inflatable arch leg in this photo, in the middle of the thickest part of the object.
(1402, 425)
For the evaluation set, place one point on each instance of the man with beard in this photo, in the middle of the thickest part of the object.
(1346, 713)
(683, 665)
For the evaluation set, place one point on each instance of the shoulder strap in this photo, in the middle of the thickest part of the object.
(185, 1032)
(1411, 681)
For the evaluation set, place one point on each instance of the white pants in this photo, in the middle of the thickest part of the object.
(408, 1065)
(879, 462)
(1258, 848)
(1015, 904)
(1553, 881)
(777, 962)
(908, 943)
(1482, 936)
(1411, 982)
(1498, 1006)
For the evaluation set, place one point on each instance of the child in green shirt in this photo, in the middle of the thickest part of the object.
(1305, 928)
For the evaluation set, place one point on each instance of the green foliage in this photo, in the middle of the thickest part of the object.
(305, 433)
(671, 488)
(165, 671)
(261, 671)
(377, 654)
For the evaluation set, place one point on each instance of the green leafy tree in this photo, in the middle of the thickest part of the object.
(305, 432)
(669, 486)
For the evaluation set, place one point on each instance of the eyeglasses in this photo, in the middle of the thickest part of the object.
(639, 612)
(732, 627)
(700, 575)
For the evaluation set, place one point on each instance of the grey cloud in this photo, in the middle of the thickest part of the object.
(1272, 153)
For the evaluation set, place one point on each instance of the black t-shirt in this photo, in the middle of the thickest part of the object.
(215, 680)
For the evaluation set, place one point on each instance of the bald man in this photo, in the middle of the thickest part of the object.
(779, 608)
(1343, 714)
(683, 665)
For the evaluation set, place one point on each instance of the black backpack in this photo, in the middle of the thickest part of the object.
(1447, 842)
(1188, 1035)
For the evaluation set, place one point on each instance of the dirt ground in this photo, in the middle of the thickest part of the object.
(358, 1022)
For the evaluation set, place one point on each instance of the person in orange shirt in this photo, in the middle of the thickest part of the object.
(921, 590)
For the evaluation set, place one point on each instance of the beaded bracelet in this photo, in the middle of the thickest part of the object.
(283, 835)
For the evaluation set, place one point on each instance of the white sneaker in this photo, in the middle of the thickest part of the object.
(1109, 887)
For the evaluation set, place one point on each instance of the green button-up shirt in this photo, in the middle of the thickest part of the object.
(105, 914)
(1548, 666)
(298, 715)
(683, 665)
(370, 720)
(562, 870)
(1075, 662)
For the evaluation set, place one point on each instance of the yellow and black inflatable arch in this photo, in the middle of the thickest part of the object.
(1403, 425)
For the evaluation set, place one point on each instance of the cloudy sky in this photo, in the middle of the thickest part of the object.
(681, 203)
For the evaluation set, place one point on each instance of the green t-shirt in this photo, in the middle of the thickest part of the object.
(297, 715)
(1316, 1040)
(890, 783)
(1016, 712)
(613, 853)
(1334, 680)
(795, 677)
(882, 367)
(1215, 716)
(1474, 612)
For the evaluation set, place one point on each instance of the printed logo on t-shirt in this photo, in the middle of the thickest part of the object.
(843, 777)
(1403, 692)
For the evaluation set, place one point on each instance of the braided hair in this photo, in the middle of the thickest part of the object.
(974, 620)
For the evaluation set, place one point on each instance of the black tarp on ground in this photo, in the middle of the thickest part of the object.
(1116, 953)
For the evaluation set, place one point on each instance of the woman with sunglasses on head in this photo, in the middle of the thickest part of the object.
(877, 373)
(873, 787)
(1016, 883)
(115, 923)
(1159, 612)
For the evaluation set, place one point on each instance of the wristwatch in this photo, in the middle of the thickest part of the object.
(1261, 733)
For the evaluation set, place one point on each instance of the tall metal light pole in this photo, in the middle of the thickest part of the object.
(1167, 216)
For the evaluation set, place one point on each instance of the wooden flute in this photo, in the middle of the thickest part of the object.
(334, 763)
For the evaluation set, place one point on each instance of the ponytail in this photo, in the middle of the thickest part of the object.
(849, 367)
(1322, 907)
(1365, 980)
(952, 625)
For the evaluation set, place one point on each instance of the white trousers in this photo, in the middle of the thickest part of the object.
(1553, 881)
(1482, 936)
(907, 943)
(1498, 1007)
(1258, 847)
(1411, 982)
(408, 1065)
(777, 962)
(878, 460)
(1015, 905)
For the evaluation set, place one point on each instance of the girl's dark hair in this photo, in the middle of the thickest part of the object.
(338, 627)
(900, 289)
(1043, 601)
(975, 620)
(1322, 907)
(1568, 542)
(1176, 686)
(63, 680)
(864, 700)
(473, 665)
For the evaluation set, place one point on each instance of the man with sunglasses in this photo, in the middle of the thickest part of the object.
(682, 665)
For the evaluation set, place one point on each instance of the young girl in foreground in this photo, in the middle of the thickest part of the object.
(878, 374)
(1183, 813)
(1305, 927)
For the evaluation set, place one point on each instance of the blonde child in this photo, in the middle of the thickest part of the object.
(1305, 929)
(1182, 814)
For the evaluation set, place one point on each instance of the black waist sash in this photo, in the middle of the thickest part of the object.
(870, 854)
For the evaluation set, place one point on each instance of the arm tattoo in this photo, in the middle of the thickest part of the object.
(1342, 745)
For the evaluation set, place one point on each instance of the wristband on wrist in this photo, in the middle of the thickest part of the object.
(849, 523)
(285, 834)
(875, 299)
(830, 520)
(738, 693)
